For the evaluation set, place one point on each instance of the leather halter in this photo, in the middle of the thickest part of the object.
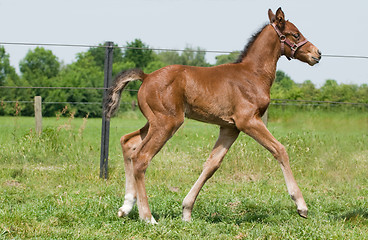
(293, 46)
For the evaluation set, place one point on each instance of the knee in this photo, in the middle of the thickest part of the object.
(280, 153)
(127, 144)
(212, 165)
(139, 164)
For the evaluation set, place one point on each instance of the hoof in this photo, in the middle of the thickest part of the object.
(122, 213)
(127, 206)
(186, 219)
(303, 213)
(187, 215)
(151, 221)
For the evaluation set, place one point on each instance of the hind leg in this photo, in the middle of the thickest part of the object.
(159, 132)
(225, 140)
(129, 143)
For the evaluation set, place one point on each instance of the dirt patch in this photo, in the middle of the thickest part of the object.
(49, 168)
(13, 183)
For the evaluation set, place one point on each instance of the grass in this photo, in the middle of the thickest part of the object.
(50, 186)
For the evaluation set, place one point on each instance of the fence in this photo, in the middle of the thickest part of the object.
(109, 48)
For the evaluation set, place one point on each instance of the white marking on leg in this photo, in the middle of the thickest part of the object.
(127, 206)
(153, 221)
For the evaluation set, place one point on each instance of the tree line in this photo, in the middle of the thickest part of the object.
(41, 68)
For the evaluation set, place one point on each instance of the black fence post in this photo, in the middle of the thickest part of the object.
(105, 132)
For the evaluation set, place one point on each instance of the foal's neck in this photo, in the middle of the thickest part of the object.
(263, 55)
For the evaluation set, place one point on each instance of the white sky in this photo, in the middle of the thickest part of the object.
(335, 27)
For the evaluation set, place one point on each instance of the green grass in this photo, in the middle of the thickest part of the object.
(50, 186)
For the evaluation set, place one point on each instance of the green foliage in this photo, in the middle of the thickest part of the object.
(41, 67)
(6, 70)
(153, 66)
(285, 88)
(82, 73)
(121, 66)
(99, 53)
(169, 57)
(39, 63)
(194, 57)
(138, 53)
(308, 90)
(227, 58)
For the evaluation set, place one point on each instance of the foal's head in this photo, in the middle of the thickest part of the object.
(293, 43)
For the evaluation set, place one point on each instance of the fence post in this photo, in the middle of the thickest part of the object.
(105, 131)
(265, 117)
(38, 114)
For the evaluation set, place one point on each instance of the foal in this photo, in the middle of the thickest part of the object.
(233, 96)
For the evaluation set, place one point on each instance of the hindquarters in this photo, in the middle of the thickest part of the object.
(162, 94)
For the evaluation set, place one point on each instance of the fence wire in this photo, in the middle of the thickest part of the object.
(156, 49)
(273, 101)
(281, 102)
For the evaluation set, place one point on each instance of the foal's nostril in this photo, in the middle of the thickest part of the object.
(319, 52)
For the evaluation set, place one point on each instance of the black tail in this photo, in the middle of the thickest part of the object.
(112, 99)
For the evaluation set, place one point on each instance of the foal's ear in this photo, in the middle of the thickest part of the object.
(280, 19)
(271, 16)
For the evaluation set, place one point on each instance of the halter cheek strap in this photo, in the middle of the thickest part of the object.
(293, 46)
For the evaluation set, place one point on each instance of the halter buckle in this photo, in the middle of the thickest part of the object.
(282, 38)
(293, 46)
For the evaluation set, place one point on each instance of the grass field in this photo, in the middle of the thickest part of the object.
(50, 186)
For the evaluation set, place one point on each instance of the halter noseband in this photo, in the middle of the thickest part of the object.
(293, 46)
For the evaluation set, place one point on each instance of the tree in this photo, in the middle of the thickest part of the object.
(139, 53)
(39, 63)
(169, 57)
(38, 68)
(99, 53)
(121, 66)
(8, 77)
(280, 75)
(328, 90)
(82, 73)
(190, 56)
(153, 66)
(362, 93)
(6, 70)
(308, 90)
(227, 58)
(284, 87)
(194, 57)
(347, 93)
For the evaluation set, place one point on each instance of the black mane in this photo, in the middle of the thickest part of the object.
(249, 44)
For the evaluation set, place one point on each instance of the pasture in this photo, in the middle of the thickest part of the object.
(50, 185)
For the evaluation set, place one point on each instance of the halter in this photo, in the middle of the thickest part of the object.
(293, 46)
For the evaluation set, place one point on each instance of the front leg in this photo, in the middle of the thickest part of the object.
(257, 130)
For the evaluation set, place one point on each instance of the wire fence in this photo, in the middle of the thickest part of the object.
(281, 102)
(285, 102)
(290, 102)
(155, 49)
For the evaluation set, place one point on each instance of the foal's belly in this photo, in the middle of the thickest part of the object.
(218, 118)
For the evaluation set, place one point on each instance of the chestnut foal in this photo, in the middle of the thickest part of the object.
(233, 96)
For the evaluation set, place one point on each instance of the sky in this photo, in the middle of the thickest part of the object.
(335, 27)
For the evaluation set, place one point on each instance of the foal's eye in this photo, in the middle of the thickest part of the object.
(296, 35)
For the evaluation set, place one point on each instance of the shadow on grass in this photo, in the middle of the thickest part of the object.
(353, 215)
(250, 217)
(257, 215)
(218, 213)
